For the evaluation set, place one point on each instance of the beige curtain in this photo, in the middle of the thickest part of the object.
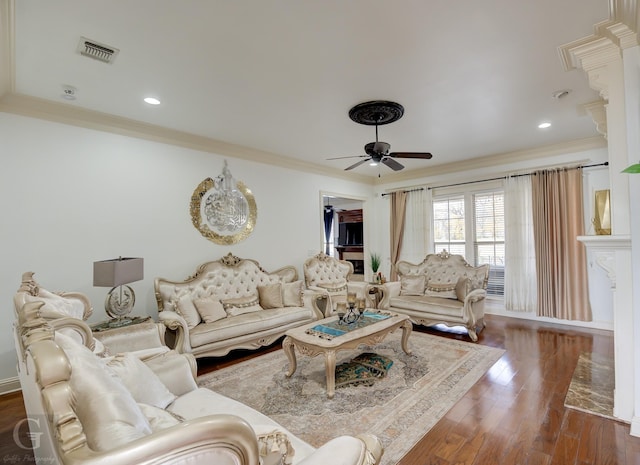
(398, 209)
(561, 264)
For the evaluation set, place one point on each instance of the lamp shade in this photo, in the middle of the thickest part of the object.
(116, 272)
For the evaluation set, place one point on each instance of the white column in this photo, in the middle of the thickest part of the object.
(601, 56)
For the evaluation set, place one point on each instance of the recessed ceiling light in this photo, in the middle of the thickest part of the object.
(544, 125)
(152, 101)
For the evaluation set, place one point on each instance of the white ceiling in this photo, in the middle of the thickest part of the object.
(475, 78)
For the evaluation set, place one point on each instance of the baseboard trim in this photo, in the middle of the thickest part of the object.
(601, 325)
(9, 385)
(635, 427)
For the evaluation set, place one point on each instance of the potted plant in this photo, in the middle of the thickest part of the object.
(375, 266)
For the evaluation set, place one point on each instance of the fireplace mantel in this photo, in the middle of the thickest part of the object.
(604, 249)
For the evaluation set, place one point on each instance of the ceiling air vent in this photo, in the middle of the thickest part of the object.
(96, 50)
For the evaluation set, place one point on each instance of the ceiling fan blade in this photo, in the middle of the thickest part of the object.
(353, 156)
(391, 163)
(355, 165)
(422, 155)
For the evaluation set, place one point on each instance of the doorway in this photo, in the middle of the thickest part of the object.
(343, 235)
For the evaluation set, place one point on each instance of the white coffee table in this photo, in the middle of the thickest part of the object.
(297, 339)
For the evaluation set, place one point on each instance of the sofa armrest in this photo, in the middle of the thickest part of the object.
(311, 299)
(219, 439)
(78, 326)
(324, 296)
(346, 450)
(176, 323)
(475, 296)
(389, 289)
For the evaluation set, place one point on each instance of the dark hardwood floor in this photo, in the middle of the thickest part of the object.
(514, 414)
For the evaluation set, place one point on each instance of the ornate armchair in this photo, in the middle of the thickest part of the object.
(330, 277)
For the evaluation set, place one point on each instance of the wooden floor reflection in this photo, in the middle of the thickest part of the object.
(514, 415)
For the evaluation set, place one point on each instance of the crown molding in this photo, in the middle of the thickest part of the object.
(580, 145)
(34, 107)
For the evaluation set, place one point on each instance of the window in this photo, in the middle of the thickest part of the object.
(449, 225)
(478, 237)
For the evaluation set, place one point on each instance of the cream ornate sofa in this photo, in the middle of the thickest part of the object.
(232, 303)
(330, 277)
(443, 288)
(87, 410)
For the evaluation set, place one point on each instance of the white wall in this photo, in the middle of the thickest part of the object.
(71, 196)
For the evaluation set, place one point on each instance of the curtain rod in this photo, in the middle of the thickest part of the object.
(606, 163)
(407, 191)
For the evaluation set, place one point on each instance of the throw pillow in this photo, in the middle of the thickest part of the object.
(353, 374)
(241, 305)
(188, 311)
(333, 287)
(210, 309)
(270, 296)
(143, 384)
(57, 305)
(463, 287)
(293, 294)
(97, 394)
(444, 290)
(377, 364)
(412, 285)
(158, 418)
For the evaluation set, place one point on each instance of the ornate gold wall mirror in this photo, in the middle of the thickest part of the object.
(602, 218)
(223, 209)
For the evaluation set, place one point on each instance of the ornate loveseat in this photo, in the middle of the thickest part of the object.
(330, 277)
(444, 288)
(87, 410)
(232, 303)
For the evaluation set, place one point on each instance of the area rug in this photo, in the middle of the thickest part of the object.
(592, 384)
(399, 409)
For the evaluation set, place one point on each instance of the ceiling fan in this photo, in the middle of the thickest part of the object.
(376, 113)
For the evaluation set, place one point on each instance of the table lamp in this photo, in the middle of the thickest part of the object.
(116, 274)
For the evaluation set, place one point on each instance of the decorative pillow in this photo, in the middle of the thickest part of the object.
(463, 287)
(58, 305)
(188, 311)
(274, 446)
(293, 294)
(445, 290)
(333, 287)
(240, 305)
(109, 415)
(143, 384)
(353, 374)
(270, 296)
(412, 285)
(377, 364)
(158, 418)
(210, 309)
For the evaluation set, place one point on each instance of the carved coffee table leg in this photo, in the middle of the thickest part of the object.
(287, 346)
(330, 368)
(407, 327)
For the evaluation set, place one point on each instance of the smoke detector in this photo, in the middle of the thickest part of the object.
(96, 50)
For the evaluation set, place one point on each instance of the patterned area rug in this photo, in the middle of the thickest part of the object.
(418, 390)
(592, 384)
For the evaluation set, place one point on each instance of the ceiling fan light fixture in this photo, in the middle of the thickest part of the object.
(544, 125)
(373, 163)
